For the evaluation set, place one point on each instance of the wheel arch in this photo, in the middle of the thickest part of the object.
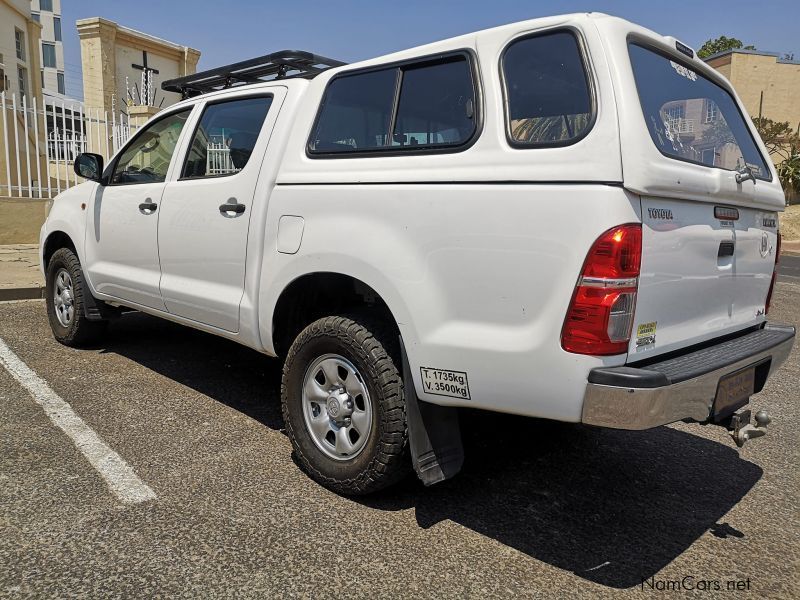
(318, 294)
(55, 240)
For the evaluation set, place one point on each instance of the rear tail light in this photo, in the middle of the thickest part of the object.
(600, 315)
(774, 274)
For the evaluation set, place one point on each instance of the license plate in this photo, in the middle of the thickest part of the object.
(734, 391)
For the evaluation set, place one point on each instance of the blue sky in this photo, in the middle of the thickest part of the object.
(226, 31)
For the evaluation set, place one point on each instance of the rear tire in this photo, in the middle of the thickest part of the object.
(343, 405)
(65, 289)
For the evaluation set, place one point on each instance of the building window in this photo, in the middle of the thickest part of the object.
(61, 86)
(22, 80)
(36, 17)
(711, 111)
(57, 28)
(46, 5)
(19, 39)
(675, 112)
(709, 157)
(48, 55)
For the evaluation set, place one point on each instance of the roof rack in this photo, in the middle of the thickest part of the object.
(278, 65)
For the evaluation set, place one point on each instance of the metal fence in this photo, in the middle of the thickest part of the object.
(40, 141)
(218, 159)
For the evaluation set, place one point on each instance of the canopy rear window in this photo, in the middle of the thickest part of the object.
(691, 118)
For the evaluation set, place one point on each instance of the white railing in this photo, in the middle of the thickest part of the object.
(65, 144)
(681, 125)
(39, 141)
(218, 159)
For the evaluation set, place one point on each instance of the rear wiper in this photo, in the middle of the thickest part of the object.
(744, 174)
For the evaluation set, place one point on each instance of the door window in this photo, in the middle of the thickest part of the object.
(225, 138)
(147, 158)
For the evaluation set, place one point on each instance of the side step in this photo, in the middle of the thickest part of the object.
(434, 433)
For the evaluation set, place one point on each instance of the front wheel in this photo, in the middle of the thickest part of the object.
(65, 289)
(343, 405)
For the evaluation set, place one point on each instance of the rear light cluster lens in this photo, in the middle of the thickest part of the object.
(774, 274)
(600, 316)
(725, 213)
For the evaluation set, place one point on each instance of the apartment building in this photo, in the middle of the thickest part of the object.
(51, 48)
(19, 50)
(767, 83)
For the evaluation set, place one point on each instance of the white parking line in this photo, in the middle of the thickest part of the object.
(119, 476)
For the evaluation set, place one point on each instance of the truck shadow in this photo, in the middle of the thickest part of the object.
(611, 507)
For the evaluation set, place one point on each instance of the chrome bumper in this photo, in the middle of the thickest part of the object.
(657, 394)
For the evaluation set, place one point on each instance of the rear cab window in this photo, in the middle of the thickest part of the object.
(425, 105)
(691, 118)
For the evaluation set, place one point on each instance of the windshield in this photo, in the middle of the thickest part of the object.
(690, 117)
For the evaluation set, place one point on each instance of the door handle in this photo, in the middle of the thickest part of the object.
(231, 208)
(148, 207)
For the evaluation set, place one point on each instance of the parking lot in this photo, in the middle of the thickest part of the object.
(541, 509)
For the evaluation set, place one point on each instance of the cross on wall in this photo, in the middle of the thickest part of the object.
(143, 66)
(147, 78)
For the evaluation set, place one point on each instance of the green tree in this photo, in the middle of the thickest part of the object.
(784, 143)
(721, 44)
(789, 174)
(778, 137)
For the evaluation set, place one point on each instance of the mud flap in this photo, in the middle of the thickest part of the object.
(433, 432)
(97, 310)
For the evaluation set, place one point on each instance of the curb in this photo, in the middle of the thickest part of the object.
(26, 293)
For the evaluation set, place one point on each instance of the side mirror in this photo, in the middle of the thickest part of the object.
(89, 166)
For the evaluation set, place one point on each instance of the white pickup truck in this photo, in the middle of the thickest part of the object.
(569, 218)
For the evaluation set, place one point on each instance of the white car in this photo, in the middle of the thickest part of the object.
(569, 218)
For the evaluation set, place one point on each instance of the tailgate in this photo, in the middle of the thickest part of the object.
(701, 276)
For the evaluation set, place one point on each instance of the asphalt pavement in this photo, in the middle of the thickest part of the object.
(789, 268)
(540, 510)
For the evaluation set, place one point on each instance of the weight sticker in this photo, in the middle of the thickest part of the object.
(646, 335)
(444, 383)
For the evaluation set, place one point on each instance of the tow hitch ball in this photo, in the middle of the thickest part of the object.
(741, 430)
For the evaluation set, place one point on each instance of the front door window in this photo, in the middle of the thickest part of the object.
(147, 158)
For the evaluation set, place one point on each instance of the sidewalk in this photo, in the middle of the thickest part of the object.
(792, 248)
(20, 278)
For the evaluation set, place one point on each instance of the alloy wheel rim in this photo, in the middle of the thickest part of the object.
(337, 409)
(64, 298)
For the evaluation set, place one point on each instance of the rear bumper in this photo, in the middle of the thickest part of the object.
(682, 387)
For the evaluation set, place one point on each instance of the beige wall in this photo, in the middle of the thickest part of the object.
(752, 74)
(108, 51)
(21, 219)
